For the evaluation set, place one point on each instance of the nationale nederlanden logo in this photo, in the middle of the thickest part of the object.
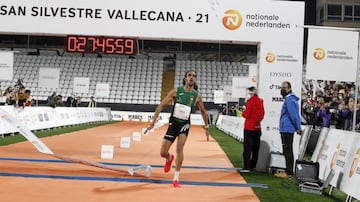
(355, 163)
(253, 79)
(232, 19)
(270, 57)
(319, 53)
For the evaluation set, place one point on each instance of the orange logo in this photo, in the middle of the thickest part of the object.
(270, 57)
(319, 53)
(253, 79)
(335, 156)
(354, 163)
(232, 19)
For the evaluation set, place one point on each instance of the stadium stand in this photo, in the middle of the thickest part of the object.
(136, 81)
(132, 81)
(213, 75)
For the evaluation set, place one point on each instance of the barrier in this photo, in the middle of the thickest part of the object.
(41, 147)
(196, 119)
(234, 126)
(340, 150)
(336, 150)
(38, 118)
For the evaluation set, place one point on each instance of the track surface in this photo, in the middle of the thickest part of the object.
(27, 175)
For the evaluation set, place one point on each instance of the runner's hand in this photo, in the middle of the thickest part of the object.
(149, 128)
(207, 134)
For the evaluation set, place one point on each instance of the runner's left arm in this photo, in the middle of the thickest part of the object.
(201, 106)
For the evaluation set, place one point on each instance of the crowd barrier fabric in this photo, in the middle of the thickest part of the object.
(41, 147)
(234, 126)
(339, 150)
(37, 118)
(195, 119)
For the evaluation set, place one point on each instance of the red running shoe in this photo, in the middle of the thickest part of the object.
(167, 166)
(176, 184)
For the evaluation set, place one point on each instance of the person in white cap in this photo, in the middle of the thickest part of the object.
(253, 114)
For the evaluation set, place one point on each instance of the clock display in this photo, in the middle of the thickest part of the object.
(101, 44)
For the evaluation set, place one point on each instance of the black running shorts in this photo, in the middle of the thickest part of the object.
(175, 129)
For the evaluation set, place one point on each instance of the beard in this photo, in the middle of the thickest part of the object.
(190, 83)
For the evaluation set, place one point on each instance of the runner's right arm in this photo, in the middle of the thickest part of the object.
(169, 97)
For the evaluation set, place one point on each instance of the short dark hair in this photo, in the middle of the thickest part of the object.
(288, 83)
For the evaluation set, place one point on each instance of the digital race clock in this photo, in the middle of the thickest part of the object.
(101, 44)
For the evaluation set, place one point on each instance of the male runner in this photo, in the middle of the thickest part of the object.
(184, 97)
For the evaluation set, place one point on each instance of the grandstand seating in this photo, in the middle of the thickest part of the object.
(132, 81)
(212, 75)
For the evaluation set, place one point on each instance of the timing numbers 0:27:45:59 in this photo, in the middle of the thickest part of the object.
(108, 45)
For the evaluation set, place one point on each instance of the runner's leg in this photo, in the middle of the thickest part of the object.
(165, 146)
(180, 151)
(179, 159)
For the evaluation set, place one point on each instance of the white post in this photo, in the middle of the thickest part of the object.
(37, 97)
(356, 87)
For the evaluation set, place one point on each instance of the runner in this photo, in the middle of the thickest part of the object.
(184, 97)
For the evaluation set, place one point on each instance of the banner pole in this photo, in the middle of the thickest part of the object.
(37, 96)
(328, 28)
(356, 86)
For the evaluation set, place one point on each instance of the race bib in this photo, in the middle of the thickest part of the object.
(181, 111)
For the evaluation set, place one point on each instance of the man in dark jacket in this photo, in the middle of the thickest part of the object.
(51, 101)
(253, 114)
(290, 123)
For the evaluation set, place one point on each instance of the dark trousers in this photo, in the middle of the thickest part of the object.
(287, 146)
(251, 148)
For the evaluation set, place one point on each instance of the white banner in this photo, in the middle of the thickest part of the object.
(138, 116)
(232, 125)
(202, 19)
(102, 90)
(320, 144)
(329, 61)
(6, 65)
(239, 84)
(238, 89)
(339, 150)
(304, 139)
(37, 118)
(219, 97)
(49, 77)
(329, 153)
(351, 175)
(228, 97)
(81, 85)
(277, 64)
(341, 155)
(195, 119)
(11, 120)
